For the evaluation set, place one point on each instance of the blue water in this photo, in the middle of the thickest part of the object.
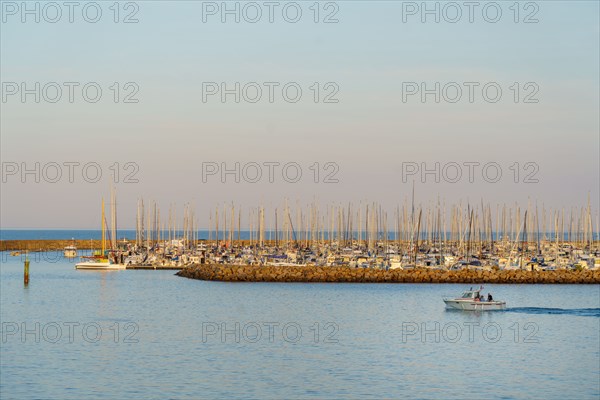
(151, 334)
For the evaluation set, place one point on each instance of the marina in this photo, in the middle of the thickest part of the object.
(415, 247)
(516, 241)
(464, 237)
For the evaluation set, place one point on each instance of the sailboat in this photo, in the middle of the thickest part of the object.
(105, 262)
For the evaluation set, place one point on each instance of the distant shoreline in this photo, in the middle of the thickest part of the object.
(235, 273)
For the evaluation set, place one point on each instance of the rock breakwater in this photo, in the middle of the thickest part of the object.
(237, 273)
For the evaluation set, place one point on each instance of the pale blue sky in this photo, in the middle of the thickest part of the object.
(369, 133)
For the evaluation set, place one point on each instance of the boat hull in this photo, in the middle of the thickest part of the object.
(470, 305)
(99, 266)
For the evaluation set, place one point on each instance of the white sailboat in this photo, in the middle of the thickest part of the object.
(102, 262)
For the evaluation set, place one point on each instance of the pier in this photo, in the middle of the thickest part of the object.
(155, 267)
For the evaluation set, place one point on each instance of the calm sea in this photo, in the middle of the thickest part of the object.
(150, 334)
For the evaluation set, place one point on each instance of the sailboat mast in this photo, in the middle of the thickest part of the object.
(103, 223)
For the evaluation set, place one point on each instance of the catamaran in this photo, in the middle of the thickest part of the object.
(471, 300)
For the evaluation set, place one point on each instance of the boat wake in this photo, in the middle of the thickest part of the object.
(580, 312)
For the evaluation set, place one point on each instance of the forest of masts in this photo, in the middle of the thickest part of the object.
(368, 225)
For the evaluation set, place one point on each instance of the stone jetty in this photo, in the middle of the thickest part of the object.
(236, 273)
(47, 245)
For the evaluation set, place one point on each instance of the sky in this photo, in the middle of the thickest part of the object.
(376, 92)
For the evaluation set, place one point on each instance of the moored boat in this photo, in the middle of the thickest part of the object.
(114, 260)
(99, 265)
(71, 250)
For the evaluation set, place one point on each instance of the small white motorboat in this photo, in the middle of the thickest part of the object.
(70, 251)
(471, 300)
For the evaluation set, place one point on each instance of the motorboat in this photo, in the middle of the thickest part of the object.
(71, 250)
(471, 300)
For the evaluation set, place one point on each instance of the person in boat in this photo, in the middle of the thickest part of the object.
(490, 297)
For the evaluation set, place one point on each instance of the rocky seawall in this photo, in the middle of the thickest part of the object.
(235, 273)
(44, 245)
